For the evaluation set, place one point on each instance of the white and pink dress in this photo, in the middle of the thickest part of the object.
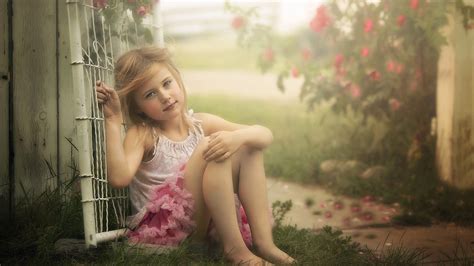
(162, 208)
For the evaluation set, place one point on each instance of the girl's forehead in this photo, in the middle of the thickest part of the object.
(156, 75)
(159, 71)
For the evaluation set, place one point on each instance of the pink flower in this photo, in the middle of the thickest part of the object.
(99, 3)
(413, 86)
(367, 216)
(401, 20)
(321, 20)
(364, 52)
(368, 25)
(338, 60)
(414, 4)
(306, 54)
(375, 75)
(141, 10)
(355, 208)
(355, 91)
(368, 198)
(238, 22)
(268, 55)
(295, 72)
(328, 214)
(390, 66)
(131, 1)
(399, 68)
(338, 205)
(394, 104)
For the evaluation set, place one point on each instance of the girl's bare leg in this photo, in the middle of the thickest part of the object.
(253, 195)
(219, 197)
(212, 187)
(193, 183)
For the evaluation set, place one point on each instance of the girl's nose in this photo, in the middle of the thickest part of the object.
(164, 97)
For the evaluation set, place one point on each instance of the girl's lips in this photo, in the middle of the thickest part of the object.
(169, 106)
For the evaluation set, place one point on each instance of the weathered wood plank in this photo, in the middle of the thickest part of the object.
(67, 157)
(34, 96)
(455, 100)
(463, 150)
(4, 83)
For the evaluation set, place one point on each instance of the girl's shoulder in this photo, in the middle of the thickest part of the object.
(204, 119)
(141, 135)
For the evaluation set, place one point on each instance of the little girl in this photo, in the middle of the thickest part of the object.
(183, 168)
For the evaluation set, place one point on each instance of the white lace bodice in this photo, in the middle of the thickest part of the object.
(168, 157)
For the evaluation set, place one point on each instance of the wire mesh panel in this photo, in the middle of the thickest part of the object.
(94, 45)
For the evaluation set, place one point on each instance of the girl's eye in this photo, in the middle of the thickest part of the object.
(150, 94)
(167, 83)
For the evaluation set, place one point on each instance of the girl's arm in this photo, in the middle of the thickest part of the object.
(227, 137)
(122, 160)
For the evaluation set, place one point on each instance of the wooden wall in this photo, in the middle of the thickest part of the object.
(42, 100)
(455, 105)
(35, 128)
(4, 83)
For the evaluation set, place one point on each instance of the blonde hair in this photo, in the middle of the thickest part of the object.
(132, 70)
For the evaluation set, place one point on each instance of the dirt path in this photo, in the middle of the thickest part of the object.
(368, 222)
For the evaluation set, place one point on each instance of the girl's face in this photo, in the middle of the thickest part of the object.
(160, 98)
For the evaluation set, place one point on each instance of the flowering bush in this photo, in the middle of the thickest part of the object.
(376, 58)
(115, 14)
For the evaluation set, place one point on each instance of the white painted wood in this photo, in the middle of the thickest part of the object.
(83, 125)
(4, 83)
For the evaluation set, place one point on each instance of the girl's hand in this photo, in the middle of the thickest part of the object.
(110, 101)
(221, 146)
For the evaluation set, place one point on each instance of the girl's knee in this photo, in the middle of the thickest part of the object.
(247, 150)
(202, 145)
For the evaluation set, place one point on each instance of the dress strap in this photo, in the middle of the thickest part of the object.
(197, 123)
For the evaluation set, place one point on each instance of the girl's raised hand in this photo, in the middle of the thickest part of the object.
(110, 101)
(221, 146)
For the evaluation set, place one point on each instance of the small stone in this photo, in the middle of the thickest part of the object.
(329, 166)
(328, 214)
(375, 171)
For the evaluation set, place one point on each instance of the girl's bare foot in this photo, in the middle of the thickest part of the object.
(273, 254)
(245, 258)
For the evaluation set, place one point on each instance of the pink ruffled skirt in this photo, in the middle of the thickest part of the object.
(167, 217)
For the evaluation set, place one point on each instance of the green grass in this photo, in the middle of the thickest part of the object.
(211, 52)
(301, 139)
(30, 241)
